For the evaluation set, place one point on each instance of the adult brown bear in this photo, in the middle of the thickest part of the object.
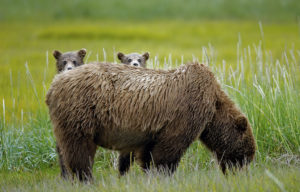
(155, 114)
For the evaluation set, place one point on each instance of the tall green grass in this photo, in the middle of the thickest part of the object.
(267, 90)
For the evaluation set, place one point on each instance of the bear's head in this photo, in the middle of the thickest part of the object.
(134, 59)
(68, 60)
(229, 135)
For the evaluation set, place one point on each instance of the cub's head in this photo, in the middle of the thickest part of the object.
(68, 60)
(134, 59)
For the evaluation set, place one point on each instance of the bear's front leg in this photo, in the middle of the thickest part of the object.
(166, 158)
(144, 156)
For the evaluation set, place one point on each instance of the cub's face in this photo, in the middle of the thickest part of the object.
(69, 60)
(134, 59)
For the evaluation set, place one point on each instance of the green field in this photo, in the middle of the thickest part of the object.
(187, 178)
(253, 47)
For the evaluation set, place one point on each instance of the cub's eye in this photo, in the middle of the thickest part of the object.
(129, 60)
(65, 62)
(139, 60)
(74, 62)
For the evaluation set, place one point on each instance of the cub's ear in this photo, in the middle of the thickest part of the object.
(241, 123)
(82, 53)
(56, 54)
(146, 56)
(120, 56)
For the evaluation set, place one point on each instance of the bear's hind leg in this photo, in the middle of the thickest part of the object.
(142, 155)
(125, 160)
(145, 157)
(79, 157)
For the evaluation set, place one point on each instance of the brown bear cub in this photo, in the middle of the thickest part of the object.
(69, 60)
(154, 114)
(134, 59)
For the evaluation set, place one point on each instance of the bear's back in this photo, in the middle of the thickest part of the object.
(121, 96)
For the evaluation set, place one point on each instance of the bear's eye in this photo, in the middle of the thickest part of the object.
(129, 60)
(74, 62)
(139, 60)
(65, 62)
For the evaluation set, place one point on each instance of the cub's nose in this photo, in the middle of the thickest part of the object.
(69, 68)
(136, 64)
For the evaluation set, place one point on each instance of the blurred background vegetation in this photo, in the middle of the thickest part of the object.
(264, 10)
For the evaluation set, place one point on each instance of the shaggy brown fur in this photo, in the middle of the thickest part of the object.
(154, 114)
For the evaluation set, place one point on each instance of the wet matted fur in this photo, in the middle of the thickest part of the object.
(154, 114)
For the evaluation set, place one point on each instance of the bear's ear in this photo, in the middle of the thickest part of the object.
(120, 56)
(241, 123)
(146, 56)
(82, 53)
(56, 54)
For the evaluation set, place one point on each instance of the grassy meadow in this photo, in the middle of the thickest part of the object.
(253, 47)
